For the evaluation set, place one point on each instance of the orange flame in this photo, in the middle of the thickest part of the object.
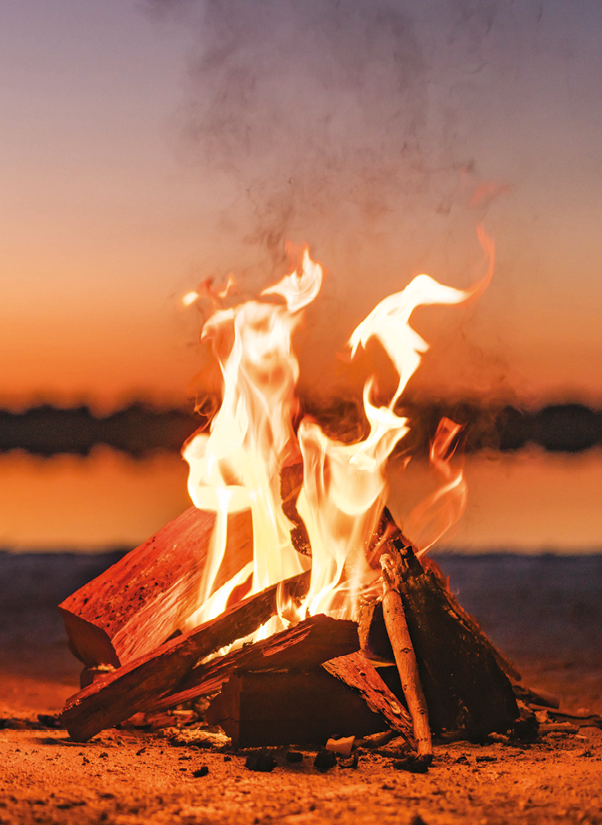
(344, 486)
(237, 465)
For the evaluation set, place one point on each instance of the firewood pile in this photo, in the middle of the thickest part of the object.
(414, 663)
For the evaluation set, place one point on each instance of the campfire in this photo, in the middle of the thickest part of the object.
(287, 593)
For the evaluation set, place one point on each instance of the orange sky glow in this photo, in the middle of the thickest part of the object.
(127, 180)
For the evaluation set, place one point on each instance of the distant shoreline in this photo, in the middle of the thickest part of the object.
(140, 430)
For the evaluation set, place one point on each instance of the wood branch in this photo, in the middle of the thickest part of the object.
(138, 603)
(464, 686)
(405, 658)
(358, 673)
(302, 647)
(290, 708)
(132, 687)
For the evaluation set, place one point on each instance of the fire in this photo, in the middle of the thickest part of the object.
(237, 465)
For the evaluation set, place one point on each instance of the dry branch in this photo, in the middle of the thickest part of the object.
(465, 687)
(405, 657)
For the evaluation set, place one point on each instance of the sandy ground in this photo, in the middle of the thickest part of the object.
(553, 635)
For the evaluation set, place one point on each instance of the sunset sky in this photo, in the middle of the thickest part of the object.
(148, 145)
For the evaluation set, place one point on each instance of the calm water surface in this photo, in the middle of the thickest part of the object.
(530, 502)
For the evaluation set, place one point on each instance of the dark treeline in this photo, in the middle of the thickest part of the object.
(140, 430)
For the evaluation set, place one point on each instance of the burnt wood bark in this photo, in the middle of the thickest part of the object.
(465, 687)
(130, 688)
(138, 603)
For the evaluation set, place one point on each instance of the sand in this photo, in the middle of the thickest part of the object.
(545, 613)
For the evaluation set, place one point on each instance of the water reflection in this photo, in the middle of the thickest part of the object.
(528, 502)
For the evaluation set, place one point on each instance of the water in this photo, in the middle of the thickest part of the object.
(529, 502)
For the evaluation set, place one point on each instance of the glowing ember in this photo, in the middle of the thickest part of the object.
(190, 298)
(237, 465)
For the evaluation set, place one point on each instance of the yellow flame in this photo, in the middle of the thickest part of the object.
(344, 486)
(237, 465)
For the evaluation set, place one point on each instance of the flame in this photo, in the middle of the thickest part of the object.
(433, 517)
(237, 465)
(344, 486)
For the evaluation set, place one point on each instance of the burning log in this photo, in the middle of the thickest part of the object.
(300, 648)
(405, 658)
(464, 685)
(132, 687)
(138, 603)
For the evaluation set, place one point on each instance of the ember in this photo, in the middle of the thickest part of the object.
(268, 593)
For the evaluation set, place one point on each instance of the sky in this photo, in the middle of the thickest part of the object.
(148, 145)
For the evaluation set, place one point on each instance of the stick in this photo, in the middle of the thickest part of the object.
(405, 658)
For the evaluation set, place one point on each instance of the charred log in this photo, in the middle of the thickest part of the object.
(290, 707)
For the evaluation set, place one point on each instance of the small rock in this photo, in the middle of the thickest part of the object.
(202, 771)
(294, 756)
(325, 760)
(352, 762)
(262, 762)
(414, 763)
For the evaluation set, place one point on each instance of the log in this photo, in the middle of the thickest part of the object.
(358, 673)
(465, 687)
(130, 688)
(138, 603)
(302, 647)
(290, 708)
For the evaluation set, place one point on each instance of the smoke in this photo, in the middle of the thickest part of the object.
(351, 125)
(314, 110)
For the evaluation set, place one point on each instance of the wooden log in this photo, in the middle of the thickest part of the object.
(130, 688)
(302, 647)
(465, 687)
(358, 673)
(405, 658)
(290, 708)
(138, 603)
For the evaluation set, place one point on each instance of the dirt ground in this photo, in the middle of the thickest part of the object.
(147, 777)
